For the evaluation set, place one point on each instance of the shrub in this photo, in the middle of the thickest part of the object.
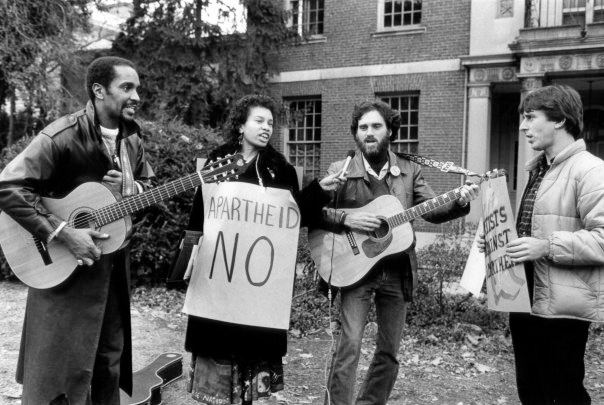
(442, 264)
(6, 155)
(172, 148)
(310, 308)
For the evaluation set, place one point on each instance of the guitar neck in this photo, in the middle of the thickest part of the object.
(132, 204)
(424, 208)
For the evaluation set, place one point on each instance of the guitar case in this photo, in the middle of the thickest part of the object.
(183, 253)
(149, 381)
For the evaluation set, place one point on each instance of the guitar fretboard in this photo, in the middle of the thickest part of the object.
(430, 205)
(423, 208)
(131, 204)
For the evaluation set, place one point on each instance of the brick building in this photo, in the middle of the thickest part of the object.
(455, 70)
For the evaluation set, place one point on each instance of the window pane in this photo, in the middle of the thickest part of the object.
(387, 21)
(413, 133)
(388, 7)
(398, 6)
(413, 117)
(413, 100)
(417, 18)
(573, 18)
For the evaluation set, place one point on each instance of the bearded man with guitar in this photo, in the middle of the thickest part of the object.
(374, 172)
(76, 342)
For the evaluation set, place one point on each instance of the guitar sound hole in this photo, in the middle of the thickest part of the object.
(382, 231)
(83, 220)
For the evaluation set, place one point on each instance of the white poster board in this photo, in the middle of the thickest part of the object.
(506, 282)
(474, 274)
(245, 267)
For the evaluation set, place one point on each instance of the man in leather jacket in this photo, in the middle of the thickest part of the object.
(76, 342)
(375, 171)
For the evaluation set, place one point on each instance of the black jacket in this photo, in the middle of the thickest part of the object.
(223, 340)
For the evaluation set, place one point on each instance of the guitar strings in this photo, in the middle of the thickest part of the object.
(108, 211)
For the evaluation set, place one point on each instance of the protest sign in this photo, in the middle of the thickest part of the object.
(506, 282)
(244, 270)
(473, 275)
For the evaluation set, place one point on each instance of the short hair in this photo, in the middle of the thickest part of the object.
(391, 117)
(240, 111)
(558, 103)
(101, 71)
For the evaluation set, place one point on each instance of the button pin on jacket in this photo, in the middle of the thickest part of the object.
(395, 171)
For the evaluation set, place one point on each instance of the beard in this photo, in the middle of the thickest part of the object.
(127, 116)
(373, 151)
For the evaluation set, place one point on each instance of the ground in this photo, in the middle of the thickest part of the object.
(476, 371)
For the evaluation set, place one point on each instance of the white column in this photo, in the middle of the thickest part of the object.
(479, 137)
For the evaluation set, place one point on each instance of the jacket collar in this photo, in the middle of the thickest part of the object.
(357, 167)
(570, 150)
(126, 127)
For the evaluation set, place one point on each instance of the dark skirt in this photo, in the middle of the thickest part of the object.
(223, 340)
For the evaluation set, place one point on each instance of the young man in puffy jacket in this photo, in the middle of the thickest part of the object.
(561, 243)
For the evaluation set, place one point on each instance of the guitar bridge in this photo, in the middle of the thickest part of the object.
(352, 242)
(41, 246)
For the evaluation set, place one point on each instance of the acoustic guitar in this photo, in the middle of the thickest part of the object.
(344, 259)
(148, 382)
(93, 205)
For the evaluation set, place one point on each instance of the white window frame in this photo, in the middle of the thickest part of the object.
(405, 141)
(302, 26)
(556, 11)
(316, 171)
(402, 27)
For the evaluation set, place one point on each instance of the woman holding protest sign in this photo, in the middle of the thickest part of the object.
(234, 362)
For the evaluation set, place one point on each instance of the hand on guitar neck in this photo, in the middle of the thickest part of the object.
(367, 222)
(80, 243)
(113, 180)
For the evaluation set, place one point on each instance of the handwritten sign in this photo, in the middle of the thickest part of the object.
(506, 282)
(245, 267)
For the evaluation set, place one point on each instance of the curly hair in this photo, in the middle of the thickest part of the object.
(241, 110)
(558, 103)
(101, 71)
(391, 117)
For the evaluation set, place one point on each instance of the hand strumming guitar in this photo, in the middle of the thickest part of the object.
(81, 243)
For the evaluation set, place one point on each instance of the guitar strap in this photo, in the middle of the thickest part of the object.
(128, 185)
(447, 167)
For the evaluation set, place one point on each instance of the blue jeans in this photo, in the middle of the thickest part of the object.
(386, 284)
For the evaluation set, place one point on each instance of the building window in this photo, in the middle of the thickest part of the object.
(307, 17)
(565, 12)
(399, 14)
(573, 12)
(304, 135)
(407, 105)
